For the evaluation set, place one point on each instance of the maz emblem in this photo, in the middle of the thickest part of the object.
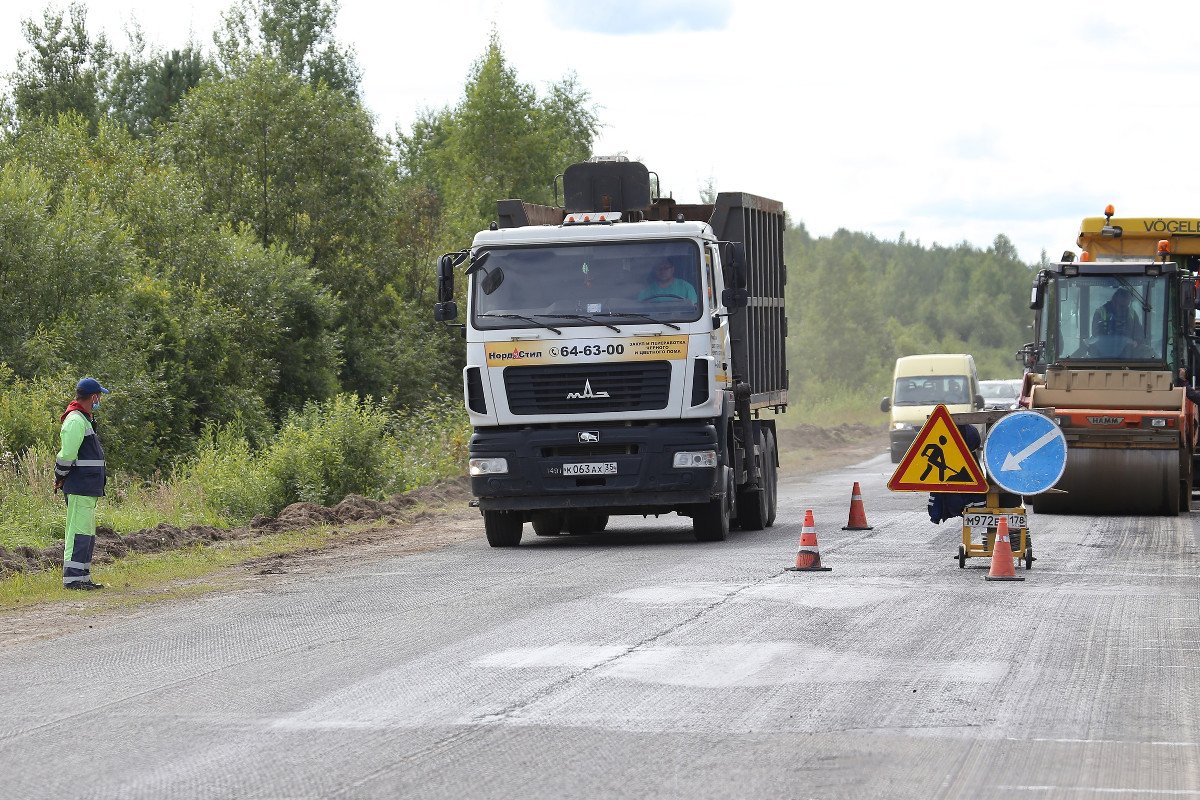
(589, 437)
(587, 392)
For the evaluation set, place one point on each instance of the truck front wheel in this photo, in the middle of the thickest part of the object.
(754, 508)
(503, 528)
(710, 521)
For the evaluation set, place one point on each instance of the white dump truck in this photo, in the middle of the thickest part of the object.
(625, 355)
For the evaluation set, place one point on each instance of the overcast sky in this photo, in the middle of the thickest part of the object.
(945, 121)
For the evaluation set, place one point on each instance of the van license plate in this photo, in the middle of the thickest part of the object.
(1015, 521)
(601, 468)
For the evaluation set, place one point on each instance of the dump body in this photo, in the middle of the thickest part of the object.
(1115, 332)
(620, 359)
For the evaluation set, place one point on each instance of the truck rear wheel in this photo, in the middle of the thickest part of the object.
(547, 523)
(710, 521)
(503, 528)
(772, 478)
(755, 506)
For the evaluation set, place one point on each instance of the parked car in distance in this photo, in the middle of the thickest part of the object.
(1000, 394)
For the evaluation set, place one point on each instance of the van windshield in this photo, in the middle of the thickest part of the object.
(929, 390)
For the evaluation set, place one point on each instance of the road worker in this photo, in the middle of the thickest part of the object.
(79, 472)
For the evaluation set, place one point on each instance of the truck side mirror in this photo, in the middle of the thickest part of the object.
(734, 258)
(885, 404)
(978, 402)
(444, 312)
(445, 279)
(735, 298)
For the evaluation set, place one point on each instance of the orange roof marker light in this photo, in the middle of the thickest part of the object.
(1110, 231)
(1085, 256)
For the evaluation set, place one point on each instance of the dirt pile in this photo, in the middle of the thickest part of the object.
(355, 508)
(805, 435)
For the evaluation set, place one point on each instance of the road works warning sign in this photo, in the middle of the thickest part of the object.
(938, 461)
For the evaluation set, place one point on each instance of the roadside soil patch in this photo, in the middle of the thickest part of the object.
(354, 509)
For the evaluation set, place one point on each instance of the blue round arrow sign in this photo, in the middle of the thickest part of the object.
(1025, 453)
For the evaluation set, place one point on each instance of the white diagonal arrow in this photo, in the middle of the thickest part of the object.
(1013, 460)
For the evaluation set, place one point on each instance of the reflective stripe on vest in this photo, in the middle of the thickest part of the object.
(83, 462)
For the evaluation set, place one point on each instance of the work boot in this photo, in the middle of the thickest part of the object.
(85, 586)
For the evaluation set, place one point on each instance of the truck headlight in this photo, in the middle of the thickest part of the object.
(902, 426)
(488, 466)
(695, 458)
(1158, 422)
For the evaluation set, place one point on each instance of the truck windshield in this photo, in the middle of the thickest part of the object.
(561, 285)
(1107, 318)
(930, 390)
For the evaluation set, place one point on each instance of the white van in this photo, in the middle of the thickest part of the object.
(920, 383)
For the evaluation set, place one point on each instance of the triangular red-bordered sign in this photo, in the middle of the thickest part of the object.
(938, 461)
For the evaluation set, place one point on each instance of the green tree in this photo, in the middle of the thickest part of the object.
(500, 141)
(63, 69)
(112, 266)
(297, 34)
(146, 85)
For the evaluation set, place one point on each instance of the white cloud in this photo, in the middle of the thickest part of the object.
(945, 120)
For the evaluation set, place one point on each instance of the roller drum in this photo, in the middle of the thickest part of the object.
(1115, 481)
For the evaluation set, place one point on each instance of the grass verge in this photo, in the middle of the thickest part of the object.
(143, 578)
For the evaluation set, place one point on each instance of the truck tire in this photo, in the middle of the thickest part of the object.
(580, 524)
(772, 478)
(710, 521)
(755, 506)
(503, 528)
(547, 523)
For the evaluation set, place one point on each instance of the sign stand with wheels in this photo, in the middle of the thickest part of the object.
(1025, 453)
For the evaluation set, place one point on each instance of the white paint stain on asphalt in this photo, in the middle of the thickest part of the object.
(580, 656)
(777, 663)
(679, 593)
(846, 594)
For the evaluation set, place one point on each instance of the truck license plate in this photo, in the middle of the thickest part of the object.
(601, 468)
(1015, 521)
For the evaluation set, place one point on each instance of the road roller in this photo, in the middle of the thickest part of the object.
(1115, 354)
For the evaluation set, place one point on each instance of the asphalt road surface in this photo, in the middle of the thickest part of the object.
(640, 663)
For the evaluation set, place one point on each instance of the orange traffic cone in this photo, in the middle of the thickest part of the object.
(1002, 557)
(858, 514)
(808, 557)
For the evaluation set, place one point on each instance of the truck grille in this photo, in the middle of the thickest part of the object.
(588, 388)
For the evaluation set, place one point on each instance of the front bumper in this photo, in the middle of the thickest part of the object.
(645, 481)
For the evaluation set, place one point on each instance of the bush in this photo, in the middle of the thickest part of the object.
(430, 444)
(30, 513)
(29, 411)
(329, 450)
(230, 480)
